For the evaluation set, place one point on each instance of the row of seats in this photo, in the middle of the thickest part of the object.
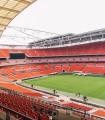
(78, 106)
(20, 89)
(87, 117)
(100, 113)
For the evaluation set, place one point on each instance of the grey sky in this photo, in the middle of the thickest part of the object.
(63, 16)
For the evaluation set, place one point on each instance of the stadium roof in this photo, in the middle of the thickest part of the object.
(9, 9)
(70, 39)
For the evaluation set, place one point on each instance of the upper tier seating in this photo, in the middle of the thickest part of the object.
(93, 48)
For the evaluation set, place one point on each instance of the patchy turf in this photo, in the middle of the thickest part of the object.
(92, 86)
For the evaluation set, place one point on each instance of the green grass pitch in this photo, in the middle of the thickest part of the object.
(92, 86)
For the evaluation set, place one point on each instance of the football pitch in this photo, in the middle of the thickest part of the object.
(92, 86)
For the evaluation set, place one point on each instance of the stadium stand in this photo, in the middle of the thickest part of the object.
(25, 68)
(80, 54)
(24, 106)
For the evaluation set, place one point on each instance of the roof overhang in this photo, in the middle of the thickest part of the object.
(9, 9)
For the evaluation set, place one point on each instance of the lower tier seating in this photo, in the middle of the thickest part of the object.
(25, 106)
(16, 72)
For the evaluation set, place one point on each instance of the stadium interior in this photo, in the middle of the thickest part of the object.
(81, 54)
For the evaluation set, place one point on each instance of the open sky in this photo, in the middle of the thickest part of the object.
(63, 16)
